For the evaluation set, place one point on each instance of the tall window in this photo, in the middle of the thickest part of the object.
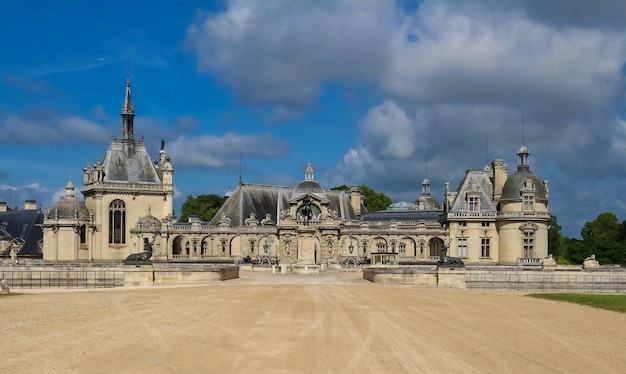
(461, 245)
(117, 222)
(473, 204)
(528, 242)
(485, 247)
(82, 232)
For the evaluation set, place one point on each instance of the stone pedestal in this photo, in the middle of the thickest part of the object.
(451, 277)
(307, 248)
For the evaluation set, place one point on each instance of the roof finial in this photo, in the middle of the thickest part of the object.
(240, 168)
(523, 124)
(426, 164)
(128, 109)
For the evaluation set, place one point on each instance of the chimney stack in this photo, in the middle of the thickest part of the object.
(30, 205)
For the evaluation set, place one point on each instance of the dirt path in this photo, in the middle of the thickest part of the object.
(286, 324)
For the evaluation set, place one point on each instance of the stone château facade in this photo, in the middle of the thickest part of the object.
(490, 218)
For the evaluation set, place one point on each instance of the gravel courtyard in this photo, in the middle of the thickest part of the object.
(330, 323)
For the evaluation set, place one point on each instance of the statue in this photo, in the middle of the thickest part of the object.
(4, 287)
(162, 143)
(591, 263)
(448, 261)
(306, 212)
(141, 257)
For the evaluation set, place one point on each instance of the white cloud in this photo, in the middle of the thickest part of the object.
(282, 52)
(223, 151)
(388, 131)
(51, 130)
(450, 75)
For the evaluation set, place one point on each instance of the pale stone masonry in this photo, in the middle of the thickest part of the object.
(489, 219)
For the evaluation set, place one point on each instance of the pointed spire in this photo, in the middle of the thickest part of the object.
(128, 113)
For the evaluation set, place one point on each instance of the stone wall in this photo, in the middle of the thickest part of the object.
(504, 278)
(87, 275)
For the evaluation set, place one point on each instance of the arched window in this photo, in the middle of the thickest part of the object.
(117, 222)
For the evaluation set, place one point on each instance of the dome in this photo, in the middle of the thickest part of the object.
(309, 187)
(430, 203)
(69, 207)
(149, 223)
(515, 183)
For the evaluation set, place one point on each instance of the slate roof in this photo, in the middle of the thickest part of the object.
(263, 199)
(24, 224)
(515, 182)
(482, 178)
(128, 161)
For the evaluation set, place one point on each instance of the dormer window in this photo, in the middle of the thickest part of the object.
(528, 203)
(473, 197)
(473, 203)
(528, 196)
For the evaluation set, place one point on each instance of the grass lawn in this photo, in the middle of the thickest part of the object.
(616, 303)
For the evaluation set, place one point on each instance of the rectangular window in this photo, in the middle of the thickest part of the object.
(485, 247)
(462, 224)
(486, 224)
(528, 203)
(461, 245)
(529, 243)
(473, 204)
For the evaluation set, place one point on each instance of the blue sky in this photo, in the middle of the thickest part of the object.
(366, 91)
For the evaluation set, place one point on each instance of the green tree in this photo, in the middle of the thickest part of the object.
(557, 243)
(372, 200)
(203, 206)
(603, 237)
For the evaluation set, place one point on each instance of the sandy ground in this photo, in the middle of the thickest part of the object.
(332, 323)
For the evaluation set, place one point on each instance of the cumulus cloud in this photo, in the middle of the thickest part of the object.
(223, 151)
(457, 80)
(389, 130)
(55, 130)
(280, 53)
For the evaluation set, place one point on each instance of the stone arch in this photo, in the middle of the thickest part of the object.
(177, 245)
(436, 245)
(380, 244)
(206, 245)
(410, 241)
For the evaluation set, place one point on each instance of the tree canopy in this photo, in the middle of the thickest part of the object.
(203, 206)
(373, 201)
(605, 237)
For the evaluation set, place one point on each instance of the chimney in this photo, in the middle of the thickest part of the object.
(3, 206)
(30, 205)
